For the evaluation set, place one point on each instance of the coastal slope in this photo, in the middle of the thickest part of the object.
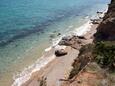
(106, 30)
(89, 59)
(95, 65)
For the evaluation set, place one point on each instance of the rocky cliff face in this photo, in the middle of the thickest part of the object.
(95, 65)
(106, 30)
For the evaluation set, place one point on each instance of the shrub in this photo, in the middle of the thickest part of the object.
(105, 54)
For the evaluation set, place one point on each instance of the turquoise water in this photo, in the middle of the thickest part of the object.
(25, 24)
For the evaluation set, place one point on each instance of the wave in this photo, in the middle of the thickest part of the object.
(83, 29)
(27, 72)
(76, 31)
(25, 75)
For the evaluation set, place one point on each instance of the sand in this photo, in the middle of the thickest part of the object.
(55, 70)
(59, 67)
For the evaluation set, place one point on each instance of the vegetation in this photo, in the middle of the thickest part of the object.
(104, 53)
(101, 52)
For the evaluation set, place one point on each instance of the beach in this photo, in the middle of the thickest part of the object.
(32, 31)
(56, 68)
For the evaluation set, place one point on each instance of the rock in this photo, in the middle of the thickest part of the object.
(68, 40)
(65, 41)
(106, 29)
(79, 81)
(73, 41)
(95, 21)
(81, 37)
(58, 34)
(43, 82)
(52, 36)
(60, 52)
(99, 12)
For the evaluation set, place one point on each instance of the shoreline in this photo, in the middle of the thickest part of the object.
(27, 79)
(26, 76)
(24, 56)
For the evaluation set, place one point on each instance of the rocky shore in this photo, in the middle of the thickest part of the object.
(58, 70)
(84, 60)
(95, 65)
(106, 30)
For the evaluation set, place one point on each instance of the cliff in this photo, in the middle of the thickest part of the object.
(95, 65)
(106, 30)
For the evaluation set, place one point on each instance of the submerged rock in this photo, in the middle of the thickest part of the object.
(58, 34)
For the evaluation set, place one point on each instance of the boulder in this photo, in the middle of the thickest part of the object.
(69, 40)
(73, 41)
(81, 37)
(60, 52)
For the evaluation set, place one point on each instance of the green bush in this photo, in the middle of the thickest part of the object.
(105, 54)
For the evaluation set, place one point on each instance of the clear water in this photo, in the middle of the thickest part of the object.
(28, 24)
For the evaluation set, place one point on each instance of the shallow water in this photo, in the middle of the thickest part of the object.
(28, 26)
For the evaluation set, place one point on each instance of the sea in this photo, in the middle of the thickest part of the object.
(28, 27)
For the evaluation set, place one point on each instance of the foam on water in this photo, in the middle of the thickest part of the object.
(21, 78)
(27, 24)
(48, 49)
(76, 31)
(83, 29)
(26, 74)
